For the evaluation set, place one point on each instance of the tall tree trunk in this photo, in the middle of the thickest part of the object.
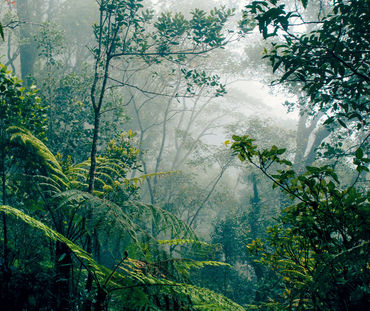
(97, 97)
(27, 47)
(306, 153)
(253, 220)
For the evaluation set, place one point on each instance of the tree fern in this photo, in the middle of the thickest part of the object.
(109, 215)
(110, 172)
(132, 275)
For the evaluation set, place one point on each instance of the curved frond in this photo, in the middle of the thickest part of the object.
(41, 155)
(99, 271)
(105, 212)
(201, 298)
(132, 274)
(164, 220)
(128, 216)
(25, 140)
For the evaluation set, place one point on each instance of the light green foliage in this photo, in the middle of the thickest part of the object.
(18, 106)
(67, 185)
(203, 29)
(320, 245)
(112, 217)
(170, 37)
(124, 150)
(200, 79)
(50, 41)
(208, 29)
(36, 149)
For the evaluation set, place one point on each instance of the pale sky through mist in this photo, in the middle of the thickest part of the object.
(272, 100)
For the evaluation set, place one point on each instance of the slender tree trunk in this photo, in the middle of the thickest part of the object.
(305, 152)
(63, 275)
(94, 148)
(255, 212)
(253, 218)
(97, 103)
(101, 300)
(192, 221)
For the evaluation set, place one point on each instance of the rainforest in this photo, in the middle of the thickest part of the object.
(207, 155)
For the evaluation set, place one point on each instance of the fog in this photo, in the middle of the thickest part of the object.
(147, 146)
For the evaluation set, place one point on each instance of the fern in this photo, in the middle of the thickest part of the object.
(201, 298)
(65, 190)
(125, 217)
(132, 276)
(99, 271)
(37, 150)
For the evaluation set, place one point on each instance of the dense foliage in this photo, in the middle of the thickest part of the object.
(319, 247)
(113, 196)
(329, 61)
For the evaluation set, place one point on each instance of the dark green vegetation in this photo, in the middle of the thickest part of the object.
(105, 183)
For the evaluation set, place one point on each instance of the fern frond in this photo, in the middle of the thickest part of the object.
(201, 298)
(132, 276)
(143, 177)
(99, 271)
(25, 140)
(106, 213)
(185, 265)
(163, 220)
(183, 242)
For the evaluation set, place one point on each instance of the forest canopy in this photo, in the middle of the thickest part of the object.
(118, 189)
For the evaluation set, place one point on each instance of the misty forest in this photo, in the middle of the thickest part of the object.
(184, 155)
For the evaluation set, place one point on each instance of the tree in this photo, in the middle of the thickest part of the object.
(122, 32)
(330, 62)
(65, 207)
(116, 41)
(204, 33)
(319, 246)
(53, 190)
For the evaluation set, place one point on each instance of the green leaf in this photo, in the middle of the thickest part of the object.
(2, 32)
(276, 65)
(359, 153)
(286, 75)
(342, 123)
(304, 3)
